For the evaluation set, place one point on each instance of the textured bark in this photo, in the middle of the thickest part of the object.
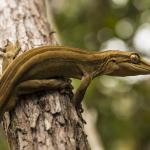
(46, 120)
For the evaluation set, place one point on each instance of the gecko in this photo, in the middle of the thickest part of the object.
(47, 67)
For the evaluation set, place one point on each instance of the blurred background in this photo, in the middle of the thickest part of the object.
(120, 106)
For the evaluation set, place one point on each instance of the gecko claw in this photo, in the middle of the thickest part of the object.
(79, 108)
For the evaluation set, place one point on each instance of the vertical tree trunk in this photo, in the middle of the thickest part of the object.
(46, 120)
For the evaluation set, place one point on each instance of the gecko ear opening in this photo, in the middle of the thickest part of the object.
(112, 68)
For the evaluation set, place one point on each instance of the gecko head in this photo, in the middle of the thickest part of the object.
(119, 63)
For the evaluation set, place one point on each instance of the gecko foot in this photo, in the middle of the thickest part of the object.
(67, 88)
(79, 108)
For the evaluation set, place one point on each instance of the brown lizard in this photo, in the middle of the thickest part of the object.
(43, 67)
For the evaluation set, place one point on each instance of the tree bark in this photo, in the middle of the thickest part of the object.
(46, 120)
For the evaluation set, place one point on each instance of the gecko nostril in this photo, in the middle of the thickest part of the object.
(113, 60)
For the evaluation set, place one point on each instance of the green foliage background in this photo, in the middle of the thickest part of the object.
(122, 105)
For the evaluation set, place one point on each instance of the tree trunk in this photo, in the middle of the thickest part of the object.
(46, 120)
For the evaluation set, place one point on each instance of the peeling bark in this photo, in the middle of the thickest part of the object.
(46, 120)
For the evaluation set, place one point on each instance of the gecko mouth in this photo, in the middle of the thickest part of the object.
(130, 69)
(135, 69)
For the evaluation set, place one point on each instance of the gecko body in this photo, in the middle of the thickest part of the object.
(36, 69)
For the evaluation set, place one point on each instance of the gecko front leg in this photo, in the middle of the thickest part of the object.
(79, 95)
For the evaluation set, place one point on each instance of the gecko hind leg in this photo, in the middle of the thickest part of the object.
(8, 106)
(32, 86)
(9, 53)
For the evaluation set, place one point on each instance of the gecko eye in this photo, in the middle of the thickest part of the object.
(135, 58)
